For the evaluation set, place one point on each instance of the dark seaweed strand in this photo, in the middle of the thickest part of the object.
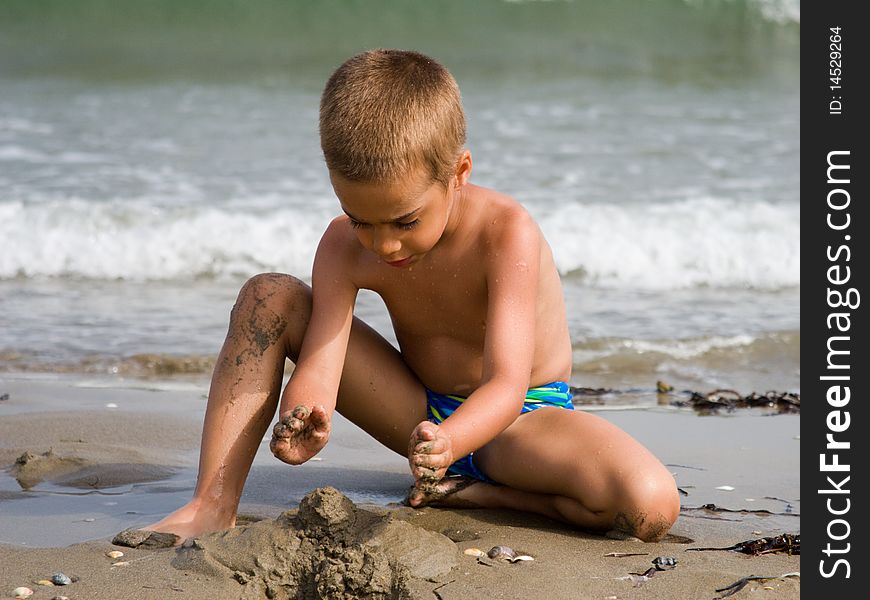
(719, 399)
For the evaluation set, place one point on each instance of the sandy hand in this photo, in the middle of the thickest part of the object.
(430, 452)
(300, 434)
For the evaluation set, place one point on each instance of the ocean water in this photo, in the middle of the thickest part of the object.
(155, 155)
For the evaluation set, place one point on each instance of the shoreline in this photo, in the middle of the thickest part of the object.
(153, 431)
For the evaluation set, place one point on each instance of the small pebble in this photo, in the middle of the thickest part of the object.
(45, 582)
(474, 552)
(115, 554)
(60, 598)
(22, 592)
(663, 563)
(60, 579)
(122, 563)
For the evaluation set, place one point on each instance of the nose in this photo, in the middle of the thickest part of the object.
(385, 244)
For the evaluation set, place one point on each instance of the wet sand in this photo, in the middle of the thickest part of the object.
(104, 455)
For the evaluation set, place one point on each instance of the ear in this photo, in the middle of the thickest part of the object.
(463, 169)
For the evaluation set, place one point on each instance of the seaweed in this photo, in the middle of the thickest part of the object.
(746, 511)
(729, 400)
(790, 543)
(738, 585)
(704, 402)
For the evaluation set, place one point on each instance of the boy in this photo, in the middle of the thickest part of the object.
(475, 396)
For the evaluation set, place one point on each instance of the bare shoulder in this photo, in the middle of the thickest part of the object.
(504, 222)
(339, 249)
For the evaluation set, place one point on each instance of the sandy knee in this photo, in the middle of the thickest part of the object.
(271, 308)
(648, 507)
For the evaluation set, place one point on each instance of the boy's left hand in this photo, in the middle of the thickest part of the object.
(430, 452)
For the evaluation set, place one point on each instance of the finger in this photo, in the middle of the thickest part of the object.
(436, 446)
(319, 418)
(427, 431)
(430, 460)
(276, 443)
(293, 426)
(426, 474)
(424, 448)
(301, 412)
(281, 430)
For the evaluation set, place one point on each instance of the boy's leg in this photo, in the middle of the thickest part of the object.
(578, 468)
(267, 324)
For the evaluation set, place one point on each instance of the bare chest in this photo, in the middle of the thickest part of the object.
(427, 302)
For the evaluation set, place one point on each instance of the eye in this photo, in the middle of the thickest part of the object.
(409, 225)
(356, 224)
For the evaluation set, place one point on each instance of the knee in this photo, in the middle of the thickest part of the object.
(271, 293)
(268, 306)
(649, 507)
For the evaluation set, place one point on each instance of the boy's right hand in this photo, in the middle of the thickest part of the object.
(300, 434)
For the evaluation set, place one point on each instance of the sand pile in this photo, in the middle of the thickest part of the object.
(329, 548)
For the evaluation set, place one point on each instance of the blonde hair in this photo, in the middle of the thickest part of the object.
(384, 113)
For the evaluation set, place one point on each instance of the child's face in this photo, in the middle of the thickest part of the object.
(399, 221)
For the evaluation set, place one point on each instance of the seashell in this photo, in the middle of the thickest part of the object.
(122, 563)
(45, 582)
(474, 552)
(22, 592)
(519, 557)
(115, 554)
(60, 579)
(501, 552)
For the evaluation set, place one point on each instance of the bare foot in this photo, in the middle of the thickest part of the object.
(300, 434)
(188, 521)
(454, 490)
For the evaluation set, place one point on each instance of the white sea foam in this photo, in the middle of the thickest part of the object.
(690, 243)
(779, 11)
(659, 246)
(687, 349)
(110, 241)
(12, 153)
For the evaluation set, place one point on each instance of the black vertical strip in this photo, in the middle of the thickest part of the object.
(835, 369)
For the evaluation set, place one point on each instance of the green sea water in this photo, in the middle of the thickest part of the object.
(300, 42)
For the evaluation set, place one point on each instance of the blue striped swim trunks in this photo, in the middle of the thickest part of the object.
(441, 406)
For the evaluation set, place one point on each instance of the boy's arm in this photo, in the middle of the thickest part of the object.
(321, 358)
(310, 396)
(512, 288)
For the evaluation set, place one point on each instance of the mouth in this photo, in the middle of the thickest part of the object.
(400, 263)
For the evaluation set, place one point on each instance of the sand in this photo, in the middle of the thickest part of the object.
(101, 456)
